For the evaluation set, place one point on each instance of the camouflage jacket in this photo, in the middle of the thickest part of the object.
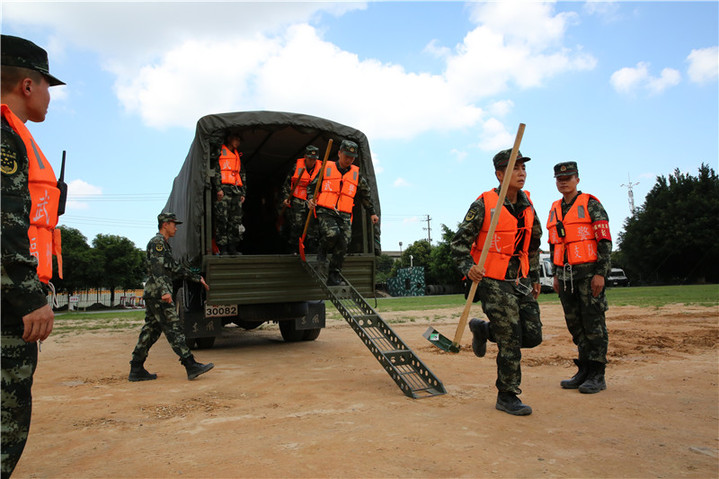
(468, 231)
(604, 247)
(363, 192)
(22, 291)
(162, 269)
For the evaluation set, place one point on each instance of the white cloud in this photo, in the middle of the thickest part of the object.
(500, 108)
(703, 65)
(215, 57)
(630, 79)
(76, 190)
(460, 155)
(400, 183)
(494, 136)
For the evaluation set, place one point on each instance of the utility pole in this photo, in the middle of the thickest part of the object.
(629, 186)
(429, 230)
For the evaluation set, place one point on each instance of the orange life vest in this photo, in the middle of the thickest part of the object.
(338, 190)
(301, 178)
(579, 242)
(230, 167)
(504, 242)
(44, 239)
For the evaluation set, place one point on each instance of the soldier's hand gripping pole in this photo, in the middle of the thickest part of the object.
(314, 197)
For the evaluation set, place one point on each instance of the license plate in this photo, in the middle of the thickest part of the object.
(222, 310)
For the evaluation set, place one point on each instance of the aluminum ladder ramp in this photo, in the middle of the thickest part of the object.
(401, 363)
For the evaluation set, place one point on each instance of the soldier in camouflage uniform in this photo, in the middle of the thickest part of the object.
(581, 246)
(509, 282)
(230, 185)
(294, 192)
(334, 207)
(161, 313)
(26, 315)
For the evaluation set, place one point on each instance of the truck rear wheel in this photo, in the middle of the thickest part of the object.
(311, 334)
(205, 343)
(289, 333)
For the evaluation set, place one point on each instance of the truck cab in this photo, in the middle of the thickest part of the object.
(266, 282)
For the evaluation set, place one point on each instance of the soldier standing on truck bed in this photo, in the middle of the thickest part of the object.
(294, 192)
(161, 313)
(230, 184)
(341, 181)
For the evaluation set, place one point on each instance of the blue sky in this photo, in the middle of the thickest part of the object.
(628, 90)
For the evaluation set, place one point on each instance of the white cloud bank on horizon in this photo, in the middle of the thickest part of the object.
(170, 73)
(77, 189)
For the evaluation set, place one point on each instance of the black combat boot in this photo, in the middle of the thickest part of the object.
(139, 373)
(578, 378)
(480, 333)
(231, 249)
(334, 279)
(510, 403)
(595, 379)
(194, 368)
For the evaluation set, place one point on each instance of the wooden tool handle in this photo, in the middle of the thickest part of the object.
(320, 177)
(490, 233)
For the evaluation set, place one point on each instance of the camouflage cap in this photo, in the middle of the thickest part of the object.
(18, 52)
(567, 168)
(501, 159)
(312, 152)
(168, 217)
(349, 148)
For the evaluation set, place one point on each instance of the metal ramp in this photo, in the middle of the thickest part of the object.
(404, 367)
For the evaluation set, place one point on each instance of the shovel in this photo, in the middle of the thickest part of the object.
(314, 197)
(434, 336)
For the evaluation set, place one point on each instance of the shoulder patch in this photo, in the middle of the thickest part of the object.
(470, 215)
(159, 247)
(8, 165)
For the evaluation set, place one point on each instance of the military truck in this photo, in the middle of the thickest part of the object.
(266, 282)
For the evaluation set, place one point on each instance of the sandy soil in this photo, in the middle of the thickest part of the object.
(327, 409)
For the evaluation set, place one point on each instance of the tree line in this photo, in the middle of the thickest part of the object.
(112, 262)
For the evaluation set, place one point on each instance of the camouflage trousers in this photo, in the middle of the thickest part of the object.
(160, 317)
(584, 315)
(513, 323)
(298, 218)
(19, 360)
(335, 235)
(228, 218)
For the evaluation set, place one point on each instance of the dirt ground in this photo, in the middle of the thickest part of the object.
(327, 408)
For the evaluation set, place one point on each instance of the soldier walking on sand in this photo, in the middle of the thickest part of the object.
(509, 282)
(161, 314)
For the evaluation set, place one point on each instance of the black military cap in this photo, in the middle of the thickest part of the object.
(501, 159)
(167, 217)
(568, 168)
(312, 152)
(18, 52)
(349, 148)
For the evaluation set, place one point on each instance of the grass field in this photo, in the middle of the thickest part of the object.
(644, 296)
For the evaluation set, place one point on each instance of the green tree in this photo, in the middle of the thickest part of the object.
(384, 266)
(122, 263)
(442, 269)
(416, 254)
(671, 238)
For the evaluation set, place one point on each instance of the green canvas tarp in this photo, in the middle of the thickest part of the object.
(271, 142)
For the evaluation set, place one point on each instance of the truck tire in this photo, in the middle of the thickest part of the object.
(311, 334)
(205, 343)
(289, 333)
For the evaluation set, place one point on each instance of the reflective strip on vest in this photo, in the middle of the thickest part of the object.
(504, 241)
(45, 198)
(230, 167)
(579, 243)
(338, 191)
